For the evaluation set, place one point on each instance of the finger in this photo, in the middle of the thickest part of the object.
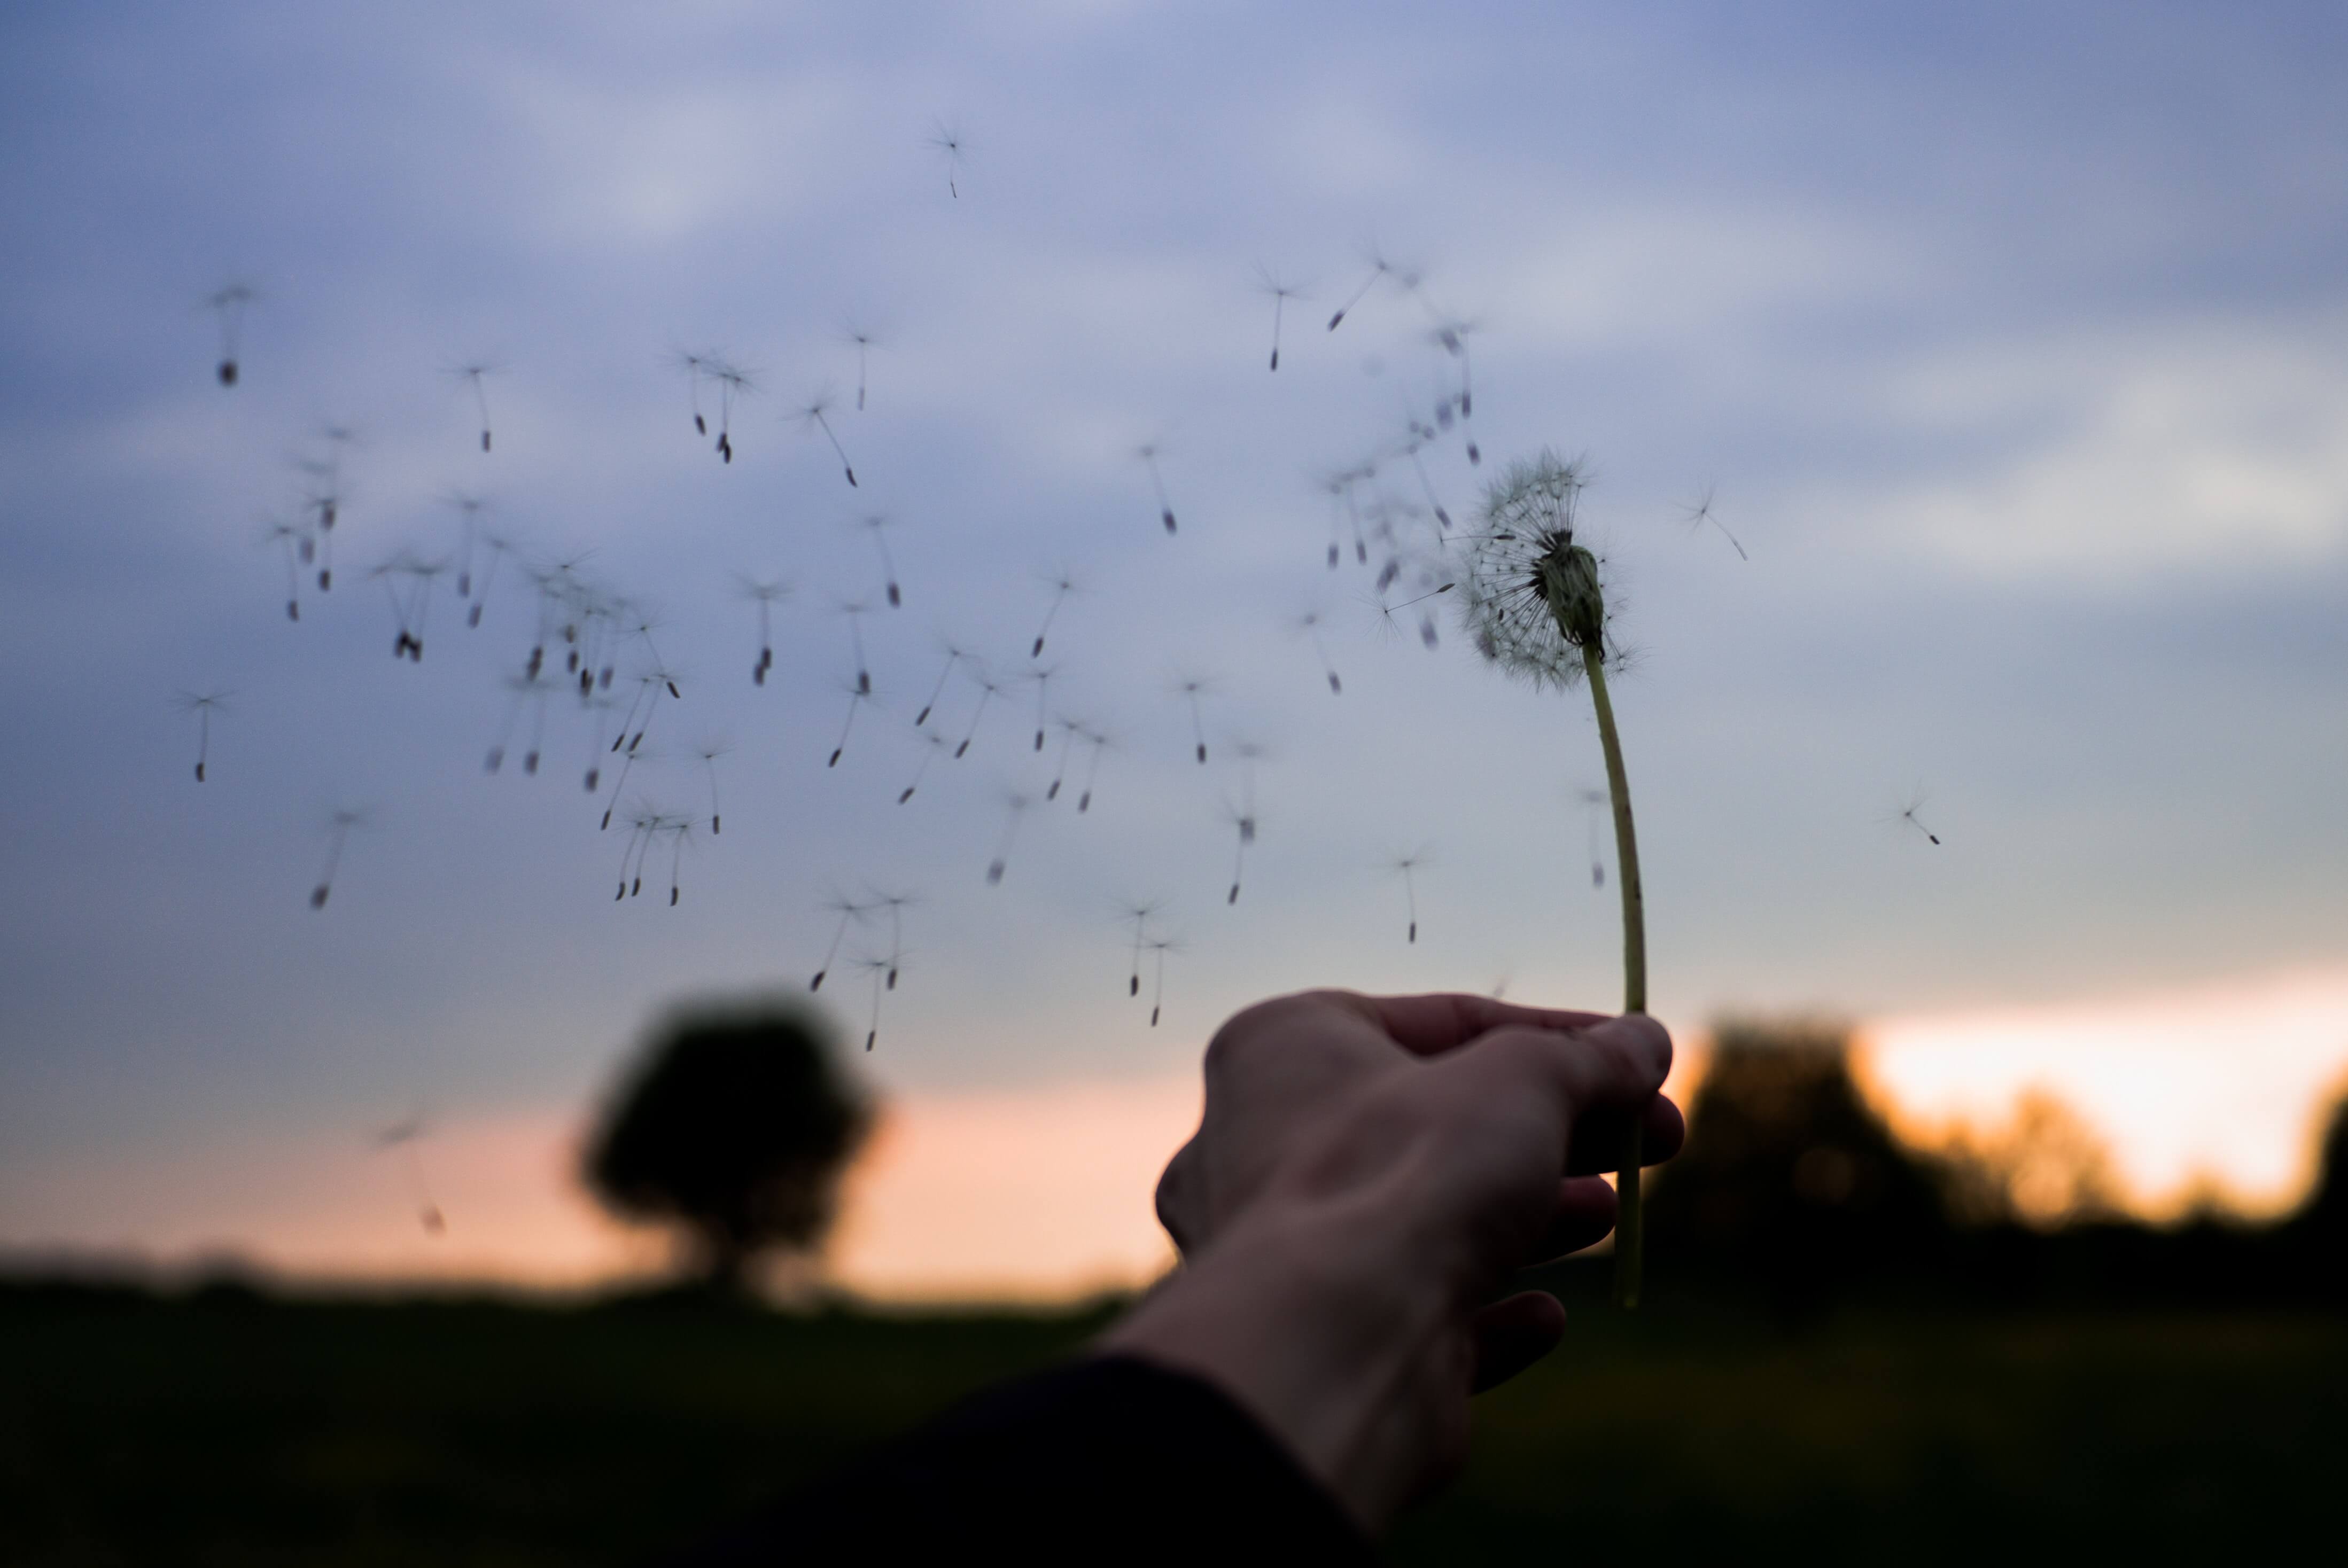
(1512, 1334)
(1585, 1211)
(1431, 1024)
(1600, 1143)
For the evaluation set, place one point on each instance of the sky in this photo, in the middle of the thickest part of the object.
(2011, 347)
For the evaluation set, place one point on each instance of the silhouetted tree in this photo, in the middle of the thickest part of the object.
(1791, 1181)
(734, 1125)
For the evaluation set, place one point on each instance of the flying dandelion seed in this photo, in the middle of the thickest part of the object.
(1442, 517)
(896, 903)
(1099, 743)
(1390, 624)
(697, 368)
(932, 745)
(680, 831)
(954, 656)
(865, 342)
(813, 416)
(1147, 452)
(643, 825)
(1160, 947)
(469, 513)
(1345, 482)
(1697, 514)
(987, 692)
(1244, 820)
(1017, 804)
(854, 610)
(405, 1136)
(1269, 282)
(851, 913)
(860, 692)
(1071, 731)
(499, 547)
(948, 141)
(476, 376)
(1042, 676)
(1593, 801)
(527, 689)
(1309, 623)
(1407, 867)
(1451, 336)
(877, 968)
(734, 383)
(325, 499)
(628, 761)
(1139, 914)
(411, 607)
(1192, 687)
(1379, 268)
(1062, 586)
(299, 544)
(1536, 608)
(711, 750)
(338, 832)
(229, 306)
(203, 705)
(877, 526)
(766, 595)
(602, 707)
(1908, 814)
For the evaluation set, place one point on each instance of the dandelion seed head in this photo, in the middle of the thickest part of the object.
(1532, 598)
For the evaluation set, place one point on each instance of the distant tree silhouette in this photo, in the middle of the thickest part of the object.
(1791, 1181)
(734, 1125)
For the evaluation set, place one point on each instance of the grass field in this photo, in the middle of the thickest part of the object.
(223, 1427)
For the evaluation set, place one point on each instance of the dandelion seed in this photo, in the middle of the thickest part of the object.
(1160, 947)
(1379, 268)
(1442, 517)
(954, 656)
(896, 903)
(1452, 337)
(696, 366)
(601, 707)
(1147, 452)
(499, 547)
(1536, 608)
(865, 342)
(986, 692)
(203, 705)
(1061, 585)
(628, 761)
(1389, 624)
(1593, 801)
(851, 913)
(996, 867)
(1270, 283)
(1242, 818)
(1099, 743)
(766, 595)
(932, 745)
(526, 690)
(475, 375)
(813, 416)
(643, 825)
(948, 141)
(1192, 687)
(876, 525)
(854, 610)
(1139, 915)
(1699, 512)
(299, 545)
(733, 381)
(1043, 678)
(411, 611)
(1071, 731)
(469, 509)
(1309, 623)
(859, 691)
(405, 1137)
(1407, 867)
(338, 834)
(711, 750)
(1908, 814)
(679, 830)
(228, 304)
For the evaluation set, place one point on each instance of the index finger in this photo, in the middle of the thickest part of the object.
(1432, 1024)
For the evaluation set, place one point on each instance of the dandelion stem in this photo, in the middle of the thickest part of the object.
(1629, 1232)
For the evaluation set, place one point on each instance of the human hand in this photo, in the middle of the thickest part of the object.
(1367, 1173)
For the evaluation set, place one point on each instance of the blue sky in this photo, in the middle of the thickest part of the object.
(2013, 345)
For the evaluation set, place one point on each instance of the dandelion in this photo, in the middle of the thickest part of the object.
(1697, 513)
(1061, 585)
(948, 141)
(203, 705)
(1193, 687)
(876, 525)
(932, 745)
(1908, 814)
(1406, 867)
(1309, 624)
(405, 1137)
(1537, 609)
(476, 376)
(766, 595)
(338, 832)
(954, 656)
(859, 691)
(710, 751)
(865, 342)
(813, 416)
(986, 693)
(1160, 947)
(1269, 282)
(228, 304)
(1017, 809)
(1147, 452)
(1139, 914)
(851, 913)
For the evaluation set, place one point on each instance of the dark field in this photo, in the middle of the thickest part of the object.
(223, 1427)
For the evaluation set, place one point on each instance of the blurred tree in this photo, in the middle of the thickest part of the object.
(734, 1124)
(1791, 1180)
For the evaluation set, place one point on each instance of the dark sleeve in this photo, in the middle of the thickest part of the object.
(1111, 1459)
